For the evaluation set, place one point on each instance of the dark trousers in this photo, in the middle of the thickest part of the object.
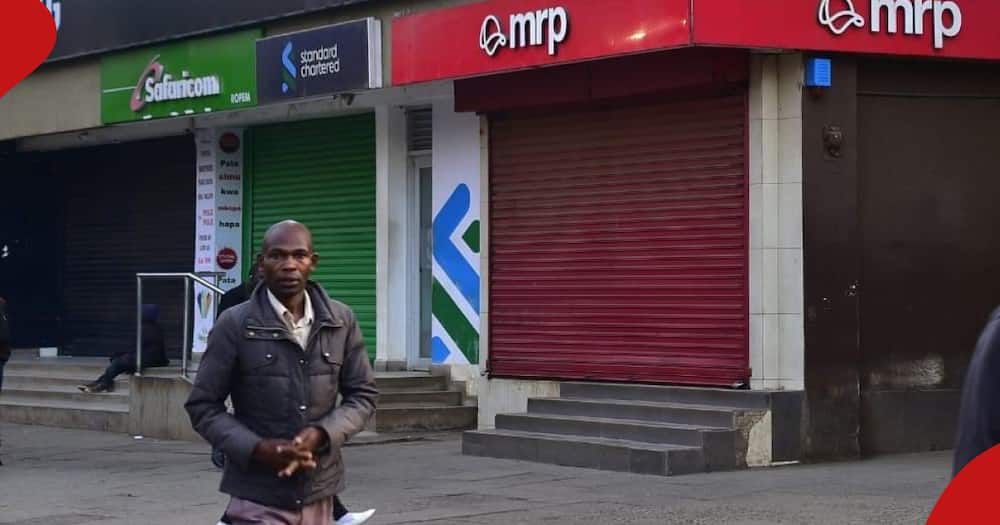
(3, 361)
(338, 508)
(119, 365)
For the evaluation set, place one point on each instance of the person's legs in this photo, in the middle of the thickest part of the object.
(339, 510)
(243, 512)
(118, 366)
(3, 361)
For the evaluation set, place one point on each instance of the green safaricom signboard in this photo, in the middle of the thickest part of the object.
(180, 78)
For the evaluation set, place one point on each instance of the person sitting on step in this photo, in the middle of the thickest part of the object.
(153, 353)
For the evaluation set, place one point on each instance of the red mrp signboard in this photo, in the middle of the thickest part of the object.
(507, 35)
(936, 28)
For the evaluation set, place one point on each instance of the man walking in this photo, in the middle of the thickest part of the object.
(283, 356)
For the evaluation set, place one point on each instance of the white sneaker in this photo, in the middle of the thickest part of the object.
(356, 518)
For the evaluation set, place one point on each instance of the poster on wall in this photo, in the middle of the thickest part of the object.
(456, 294)
(219, 224)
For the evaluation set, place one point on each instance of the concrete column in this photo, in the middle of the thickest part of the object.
(777, 342)
(391, 241)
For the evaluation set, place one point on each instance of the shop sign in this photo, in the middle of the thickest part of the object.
(533, 28)
(934, 28)
(507, 35)
(946, 20)
(54, 7)
(184, 78)
(88, 27)
(327, 60)
(219, 216)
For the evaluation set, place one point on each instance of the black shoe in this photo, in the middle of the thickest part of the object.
(218, 458)
(97, 388)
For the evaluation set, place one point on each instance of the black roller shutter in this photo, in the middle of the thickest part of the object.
(129, 208)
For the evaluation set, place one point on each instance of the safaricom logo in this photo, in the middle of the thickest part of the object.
(533, 28)
(156, 85)
(946, 17)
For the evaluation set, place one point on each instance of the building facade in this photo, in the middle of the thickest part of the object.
(519, 194)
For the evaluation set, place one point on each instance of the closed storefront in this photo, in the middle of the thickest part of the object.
(322, 174)
(619, 242)
(128, 208)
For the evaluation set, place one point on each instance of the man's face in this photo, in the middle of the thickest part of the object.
(287, 262)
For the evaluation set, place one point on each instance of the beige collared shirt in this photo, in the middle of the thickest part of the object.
(299, 329)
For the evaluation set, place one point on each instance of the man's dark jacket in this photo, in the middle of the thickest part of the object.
(979, 417)
(278, 390)
(236, 295)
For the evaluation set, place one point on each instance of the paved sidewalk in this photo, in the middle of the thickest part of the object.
(69, 477)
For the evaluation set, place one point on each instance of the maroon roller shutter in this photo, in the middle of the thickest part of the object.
(618, 244)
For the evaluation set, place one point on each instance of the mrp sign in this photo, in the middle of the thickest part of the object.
(895, 16)
(506, 35)
(323, 61)
(534, 28)
(939, 28)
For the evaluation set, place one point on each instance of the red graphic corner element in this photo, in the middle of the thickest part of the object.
(969, 498)
(27, 36)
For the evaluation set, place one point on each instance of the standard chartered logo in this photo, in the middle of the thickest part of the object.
(288, 69)
(308, 63)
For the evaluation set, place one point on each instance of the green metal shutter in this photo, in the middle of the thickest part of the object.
(322, 174)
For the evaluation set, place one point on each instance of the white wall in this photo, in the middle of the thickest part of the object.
(456, 208)
(777, 341)
(391, 239)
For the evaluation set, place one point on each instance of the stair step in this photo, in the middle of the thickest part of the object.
(34, 382)
(410, 383)
(721, 397)
(76, 398)
(65, 414)
(420, 399)
(628, 429)
(682, 413)
(417, 418)
(587, 452)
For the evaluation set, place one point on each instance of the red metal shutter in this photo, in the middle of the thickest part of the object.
(619, 244)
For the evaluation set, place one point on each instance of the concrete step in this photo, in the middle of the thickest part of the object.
(419, 419)
(420, 399)
(73, 396)
(717, 444)
(679, 413)
(104, 417)
(586, 452)
(34, 382)
(410, 382)
(721, 397)
(57, 367)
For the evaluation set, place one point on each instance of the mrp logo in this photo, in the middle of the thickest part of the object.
(534, 28)
(946, 17)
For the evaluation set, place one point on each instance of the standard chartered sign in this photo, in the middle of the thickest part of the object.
(322, 61)
(185, 78)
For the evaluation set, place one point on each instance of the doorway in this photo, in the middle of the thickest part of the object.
(421, 175)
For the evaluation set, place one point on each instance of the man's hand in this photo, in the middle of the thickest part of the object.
(308, 441)
(282, 455)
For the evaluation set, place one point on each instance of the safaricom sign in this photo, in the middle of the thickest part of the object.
(533, 28)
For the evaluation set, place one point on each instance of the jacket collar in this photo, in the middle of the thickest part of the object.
(262, 314)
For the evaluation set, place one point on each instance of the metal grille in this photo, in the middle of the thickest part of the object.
(322, 174)
(618, 244)
(419, 134)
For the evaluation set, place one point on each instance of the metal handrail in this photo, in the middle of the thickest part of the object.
(189, 280)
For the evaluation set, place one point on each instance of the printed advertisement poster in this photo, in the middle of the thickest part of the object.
(219, 225)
